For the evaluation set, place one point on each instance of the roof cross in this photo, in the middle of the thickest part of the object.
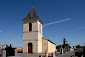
(33, 3)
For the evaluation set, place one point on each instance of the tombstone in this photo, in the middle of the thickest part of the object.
(71, 49)
(54, 54)
(61, 50)
(3, 53)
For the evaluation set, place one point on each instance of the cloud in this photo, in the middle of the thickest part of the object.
(1, 31)
(60, 21)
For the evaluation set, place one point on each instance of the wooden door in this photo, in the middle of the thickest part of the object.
(29, 47)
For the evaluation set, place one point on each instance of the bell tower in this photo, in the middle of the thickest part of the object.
(32, 33)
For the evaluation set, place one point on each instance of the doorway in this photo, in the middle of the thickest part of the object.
(29, 47)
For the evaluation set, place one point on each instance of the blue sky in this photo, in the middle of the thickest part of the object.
(61, 18)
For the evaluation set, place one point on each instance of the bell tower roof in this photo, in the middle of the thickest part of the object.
(32, 15)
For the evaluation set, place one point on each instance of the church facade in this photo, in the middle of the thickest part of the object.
(33, 41)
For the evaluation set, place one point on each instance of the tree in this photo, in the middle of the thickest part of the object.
(58, 47)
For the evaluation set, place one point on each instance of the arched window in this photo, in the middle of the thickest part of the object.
(30, 26)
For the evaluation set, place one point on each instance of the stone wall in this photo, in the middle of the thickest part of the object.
(51, 46)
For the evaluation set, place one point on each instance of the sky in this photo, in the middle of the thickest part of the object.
(61, 18)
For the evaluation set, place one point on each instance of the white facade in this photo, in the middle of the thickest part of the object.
(34, 36)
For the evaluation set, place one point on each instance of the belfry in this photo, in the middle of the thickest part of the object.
(32, 33)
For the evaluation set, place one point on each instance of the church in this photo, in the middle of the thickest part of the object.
(33, 41)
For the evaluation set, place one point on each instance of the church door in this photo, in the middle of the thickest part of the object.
(29, 47)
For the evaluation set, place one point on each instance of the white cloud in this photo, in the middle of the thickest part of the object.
(1, 31)
(57, 21)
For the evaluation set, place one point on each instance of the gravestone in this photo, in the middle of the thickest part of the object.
(54, 54)
(3, 53)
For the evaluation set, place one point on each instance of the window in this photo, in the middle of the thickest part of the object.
(30, 26)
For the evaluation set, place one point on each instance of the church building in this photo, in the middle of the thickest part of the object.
(33, 41)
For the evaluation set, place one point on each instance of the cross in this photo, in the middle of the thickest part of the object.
(33, 3)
